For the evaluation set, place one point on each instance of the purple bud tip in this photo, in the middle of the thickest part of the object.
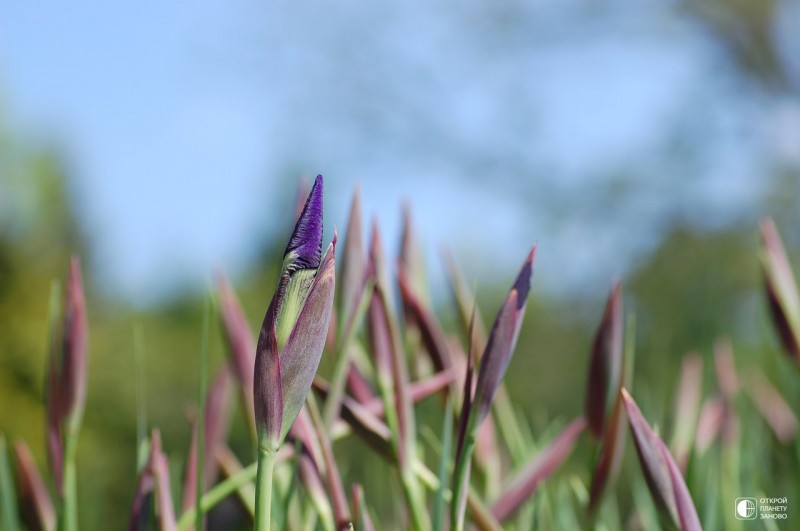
(523, 283)
(306, 240)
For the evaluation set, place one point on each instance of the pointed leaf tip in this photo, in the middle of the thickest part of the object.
(523, 282)
(660, 471)
(306, 240)
(605, 364)
(502, 341)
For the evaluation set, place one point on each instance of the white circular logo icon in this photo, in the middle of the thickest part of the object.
(746, 508)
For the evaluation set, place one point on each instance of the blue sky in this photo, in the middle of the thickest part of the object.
(185, 126)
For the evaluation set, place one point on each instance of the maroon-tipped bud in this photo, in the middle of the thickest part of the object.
(781, 289)
(502, 341)
(660, 471)
(66, 374)
(36, 508)
(76, 337)
(604, 368)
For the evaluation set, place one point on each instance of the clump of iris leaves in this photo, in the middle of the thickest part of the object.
(483, 468)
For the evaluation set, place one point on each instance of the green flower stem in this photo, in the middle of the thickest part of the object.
(69, 520)
(444, 464)
(266, 466)
(245, 476)
(416, 502)
(8, 497)
(201, 415)
(461, 483)
(218, 493)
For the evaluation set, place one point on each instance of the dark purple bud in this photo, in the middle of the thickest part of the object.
(502, 341)
(604, 368)
(305, 246)
(660, 470)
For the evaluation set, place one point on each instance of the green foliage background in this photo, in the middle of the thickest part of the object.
(695, 287)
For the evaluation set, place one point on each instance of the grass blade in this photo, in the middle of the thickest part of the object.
(437, 515)
(8, 495)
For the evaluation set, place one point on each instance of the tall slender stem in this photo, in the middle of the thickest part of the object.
(266, 465)
(69, 521)
(201, 418)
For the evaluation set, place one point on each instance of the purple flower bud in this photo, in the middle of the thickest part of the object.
(66, 374)
(604, 369)
(295, 326)
(502, 341)
(305, 245)
(661, 472)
